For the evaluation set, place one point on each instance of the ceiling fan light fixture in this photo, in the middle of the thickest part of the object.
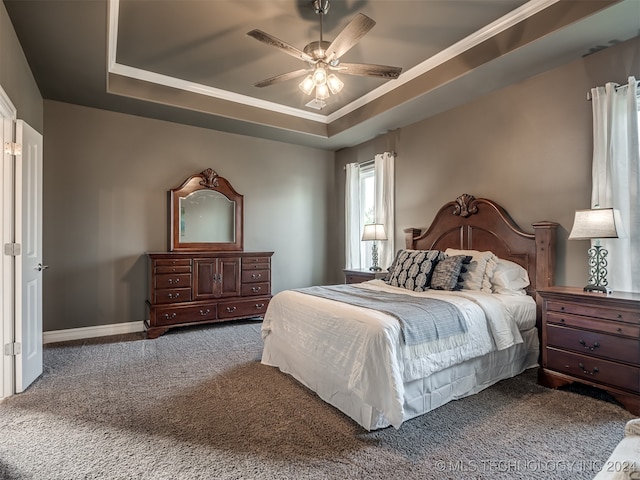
(307, 85)
(319, 76)
(334, 83)
(322, 92)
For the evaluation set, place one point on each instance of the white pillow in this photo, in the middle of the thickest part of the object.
(479, 271)
(509, 278)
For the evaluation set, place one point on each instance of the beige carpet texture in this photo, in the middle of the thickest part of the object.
(197, 404)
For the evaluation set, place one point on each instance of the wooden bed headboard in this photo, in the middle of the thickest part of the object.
(471, 223)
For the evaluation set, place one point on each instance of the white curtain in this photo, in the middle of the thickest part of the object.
(385, 194)
(616, 181)
(353, 228)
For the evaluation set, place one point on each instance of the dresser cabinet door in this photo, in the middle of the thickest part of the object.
(217, 277)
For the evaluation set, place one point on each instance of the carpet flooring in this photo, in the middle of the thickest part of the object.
(197, 404)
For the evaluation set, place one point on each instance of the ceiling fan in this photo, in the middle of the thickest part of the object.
(323, 58)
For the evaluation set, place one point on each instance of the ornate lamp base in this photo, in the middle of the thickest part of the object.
(374, 258)
(598, 288)
(598, 270)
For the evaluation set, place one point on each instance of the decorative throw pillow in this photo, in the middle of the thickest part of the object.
(479, 271)
(447, 273)
(413, 269)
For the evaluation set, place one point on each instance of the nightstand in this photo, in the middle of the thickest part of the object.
(362, 275)
(592, 338)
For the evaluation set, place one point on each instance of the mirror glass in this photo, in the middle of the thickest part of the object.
(207, 216)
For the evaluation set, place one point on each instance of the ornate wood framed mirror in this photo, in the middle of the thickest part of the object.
(205, 214)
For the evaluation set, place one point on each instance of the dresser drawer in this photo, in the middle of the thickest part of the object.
(172, 295)
(243, 308)
(170, 262)
(168, 280)
(172, 269)
(589, 323)
(252, 276)
(594, 370)
(171, 316)
(263, 288)
(603, 312)
(593, 343)
(255, 263)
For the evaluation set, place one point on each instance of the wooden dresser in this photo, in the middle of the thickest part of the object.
(202, 287)
(594, 339)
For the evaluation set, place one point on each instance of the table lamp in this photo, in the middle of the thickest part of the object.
(374, 232)
(595, 224)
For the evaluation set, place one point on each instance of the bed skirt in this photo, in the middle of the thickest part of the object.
(422, 395)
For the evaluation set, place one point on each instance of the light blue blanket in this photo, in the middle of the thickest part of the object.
(421, 319)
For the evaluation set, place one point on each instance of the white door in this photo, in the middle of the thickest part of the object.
(28, 265)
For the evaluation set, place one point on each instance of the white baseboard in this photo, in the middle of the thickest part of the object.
(91, 332)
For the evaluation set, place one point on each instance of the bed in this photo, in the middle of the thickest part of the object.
(356, 358)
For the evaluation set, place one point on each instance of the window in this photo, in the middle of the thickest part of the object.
(369, 197)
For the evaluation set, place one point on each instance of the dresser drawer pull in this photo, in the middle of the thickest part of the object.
(231, 309)
(256, 275)
(592, 372)
(619, 329)
(205, 312)
(562, 309)
(259, 305)
(619, 315)
(584, 344)
(256, 289)
(173, 295)
(172, 281)
(170, 317)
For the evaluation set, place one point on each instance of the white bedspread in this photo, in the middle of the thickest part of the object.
(363, 348)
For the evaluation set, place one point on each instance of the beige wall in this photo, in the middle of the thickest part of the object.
(105, 181)
(527, 146)
(15, 75)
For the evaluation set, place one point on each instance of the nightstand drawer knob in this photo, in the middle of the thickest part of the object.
(618, 329)
(619, 315)
(592, 372)
(584, 344)
(562, 309)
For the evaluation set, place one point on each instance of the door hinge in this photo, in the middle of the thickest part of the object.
(12, 249)
(12, 349)
(12, 148)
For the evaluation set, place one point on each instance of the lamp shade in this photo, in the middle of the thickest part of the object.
(374, 231)
(596, 223)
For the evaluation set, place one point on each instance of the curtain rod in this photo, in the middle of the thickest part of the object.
(367, 162)
(617, 86)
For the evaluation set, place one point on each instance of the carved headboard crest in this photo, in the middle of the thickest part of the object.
(465, 205)
(209, 178)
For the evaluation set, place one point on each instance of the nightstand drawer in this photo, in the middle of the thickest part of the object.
(593, 343)
(594, 369)
(589, 323)
(604, 312)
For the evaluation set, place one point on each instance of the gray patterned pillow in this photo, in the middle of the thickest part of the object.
(447, 273)
(413, 269)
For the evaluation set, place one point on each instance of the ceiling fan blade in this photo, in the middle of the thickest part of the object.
(281, 78)
(369, 70)
(349, 36)
(276, 42)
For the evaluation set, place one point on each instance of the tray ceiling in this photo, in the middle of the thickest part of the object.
(190, 61)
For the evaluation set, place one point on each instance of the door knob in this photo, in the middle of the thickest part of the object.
(41, 267)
